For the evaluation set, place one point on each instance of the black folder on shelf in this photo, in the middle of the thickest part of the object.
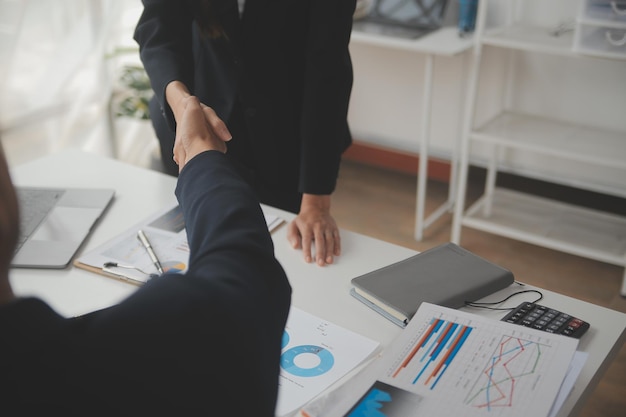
(447, 275)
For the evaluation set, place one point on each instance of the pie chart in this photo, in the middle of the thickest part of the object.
(307, 360)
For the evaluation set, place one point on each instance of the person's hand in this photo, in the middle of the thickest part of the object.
(198, 130)
(315, 225)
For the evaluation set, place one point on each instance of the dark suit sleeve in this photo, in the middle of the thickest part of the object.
(327, 87)
(181, 344)
(163, 34)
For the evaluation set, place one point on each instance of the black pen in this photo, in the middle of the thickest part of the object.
(146, 244)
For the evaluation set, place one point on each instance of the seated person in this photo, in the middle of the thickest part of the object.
(205, 343)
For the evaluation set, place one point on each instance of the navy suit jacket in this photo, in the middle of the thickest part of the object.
(286, 63)
(181, 345)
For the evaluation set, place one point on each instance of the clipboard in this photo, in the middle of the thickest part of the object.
(126, 259)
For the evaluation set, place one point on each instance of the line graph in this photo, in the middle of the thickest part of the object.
(513, 360)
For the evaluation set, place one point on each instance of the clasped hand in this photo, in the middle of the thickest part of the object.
(199, 129)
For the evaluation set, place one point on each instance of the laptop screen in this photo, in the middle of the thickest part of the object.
(54, 223)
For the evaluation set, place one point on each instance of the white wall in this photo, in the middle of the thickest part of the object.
(386, 103)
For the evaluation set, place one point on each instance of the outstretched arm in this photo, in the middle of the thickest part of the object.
(175, 344)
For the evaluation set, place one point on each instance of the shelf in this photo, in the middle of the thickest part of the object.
(552, 137)
(615, 24)
(594, 41)
(584, 232)
(601, 30)
(529, 38)
(602, 15)
(538, 220)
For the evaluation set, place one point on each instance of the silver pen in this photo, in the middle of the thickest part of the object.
(146, 244)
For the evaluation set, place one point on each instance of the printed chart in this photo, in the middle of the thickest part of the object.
(464, 365)
(167, 235)
(515, 361)
(383, 400)
(434, 352)
(315, 354)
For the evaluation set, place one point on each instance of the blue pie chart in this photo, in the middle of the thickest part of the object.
(323, 359)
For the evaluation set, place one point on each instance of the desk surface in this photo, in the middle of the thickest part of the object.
(322, 291)
(444, 42)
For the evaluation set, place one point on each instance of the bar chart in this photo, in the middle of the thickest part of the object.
(434, 352)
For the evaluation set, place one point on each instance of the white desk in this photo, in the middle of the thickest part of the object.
(322, 291)
(442, 42)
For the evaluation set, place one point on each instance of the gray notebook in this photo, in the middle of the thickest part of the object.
(447, 275)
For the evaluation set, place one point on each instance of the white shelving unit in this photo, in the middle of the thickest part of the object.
(601, 29)
(584, 232)
(444, 42)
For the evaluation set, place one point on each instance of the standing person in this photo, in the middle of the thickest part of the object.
(279, 74)
(181, 345)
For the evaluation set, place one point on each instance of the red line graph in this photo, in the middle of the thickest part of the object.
(513, 360)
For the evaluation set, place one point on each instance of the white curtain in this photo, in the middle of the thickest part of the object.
(57, 66)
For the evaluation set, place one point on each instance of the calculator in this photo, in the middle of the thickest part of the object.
(548, 319)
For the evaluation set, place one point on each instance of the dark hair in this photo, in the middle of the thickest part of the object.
(204, 12)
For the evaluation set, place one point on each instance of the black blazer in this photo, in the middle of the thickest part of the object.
(286, 62)
(181, 345)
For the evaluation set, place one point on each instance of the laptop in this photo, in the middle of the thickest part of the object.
(54, 223)
(409, 19)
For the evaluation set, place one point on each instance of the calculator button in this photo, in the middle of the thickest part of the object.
(546, 319)
(575, 323)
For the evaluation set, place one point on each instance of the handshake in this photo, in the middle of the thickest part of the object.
(199, 129)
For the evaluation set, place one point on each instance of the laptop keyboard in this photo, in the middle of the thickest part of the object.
(35, 204)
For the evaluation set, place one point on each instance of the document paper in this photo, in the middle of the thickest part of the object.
(128, 259)
(315, 354)
(448, 362)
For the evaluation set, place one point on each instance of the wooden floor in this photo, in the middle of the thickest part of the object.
(381, 203)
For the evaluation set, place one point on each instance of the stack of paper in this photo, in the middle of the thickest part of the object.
(124, 257)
